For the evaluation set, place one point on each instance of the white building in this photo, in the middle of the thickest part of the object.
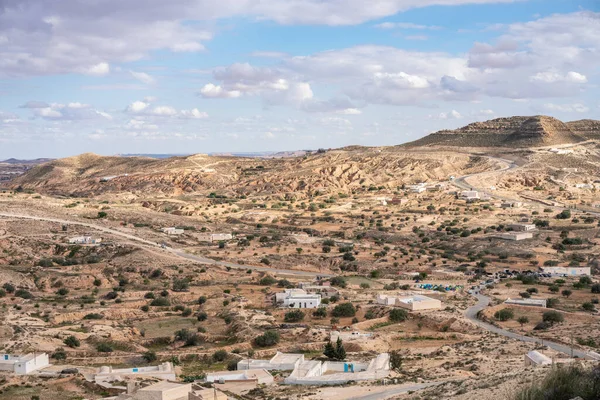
(512, 204)
(418, 188)
(535, 358)
(297, 298)
(173, 231)
(569, 271)
(163, 371)
(25, 364)
(85, 240)
(214, 237)
(415, 302)
(560, 151)
(280, 362)
(470, 195)
(349, 336)
(527, 302)
(259, 376)
(516, 236)
(339, 373)
(522, 227)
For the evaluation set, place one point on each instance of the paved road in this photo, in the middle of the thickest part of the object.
(395, 390)
(484, 301)
(176, 252)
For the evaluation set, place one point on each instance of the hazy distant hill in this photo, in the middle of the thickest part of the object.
(514, 132)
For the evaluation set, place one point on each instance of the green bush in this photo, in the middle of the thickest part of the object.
(104, 348)
(294, 316)
(72, 342)
(269, 338)
(565, 382)
(344, 310)
(160, 302)
(398, 315)
(553, 317)
(504, 315)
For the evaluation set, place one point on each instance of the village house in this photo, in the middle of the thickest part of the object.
(23, 364)
(297, 298)
(172, 231)
(522, 227)
(567, 271)
(85, 240)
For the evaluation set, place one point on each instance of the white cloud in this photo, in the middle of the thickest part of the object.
(193, 114)
(406, 25)
(553, 76)
(212, 91)
(447, 115)
(99, 69)
(187, 47)
(349, 111)
(567, 108)
(268, 135)
(143, 77)
(137, 106)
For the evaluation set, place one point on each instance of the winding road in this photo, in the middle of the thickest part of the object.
(176, 252)
(484, 301)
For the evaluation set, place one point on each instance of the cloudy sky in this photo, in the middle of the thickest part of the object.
(190, 76)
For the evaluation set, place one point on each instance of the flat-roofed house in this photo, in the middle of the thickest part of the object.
(418, 302)
(297, 298)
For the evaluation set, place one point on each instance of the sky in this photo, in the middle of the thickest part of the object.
(199, 76)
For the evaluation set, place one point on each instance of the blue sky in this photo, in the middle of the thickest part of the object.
(196, 76)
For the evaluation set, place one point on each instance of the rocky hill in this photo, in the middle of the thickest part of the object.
(514, 132)
(334, 171)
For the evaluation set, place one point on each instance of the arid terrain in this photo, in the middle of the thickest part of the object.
(436, 217)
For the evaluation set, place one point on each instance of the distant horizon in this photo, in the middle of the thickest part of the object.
(258, 153)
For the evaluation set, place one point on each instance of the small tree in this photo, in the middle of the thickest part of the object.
(219, 356)
(329, 350)
(552, 317)
(566, 293)
(398, 315)
(596, 288)
(396, 361)
(339, 350)
(504, 315)
(180, 285)
(344, 310)
(522, 320)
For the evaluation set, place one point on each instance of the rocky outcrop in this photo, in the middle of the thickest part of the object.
(513, 132)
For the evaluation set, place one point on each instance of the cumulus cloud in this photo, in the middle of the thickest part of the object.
(142, 108)
(406, 25)
(143, 77)
(66, 112)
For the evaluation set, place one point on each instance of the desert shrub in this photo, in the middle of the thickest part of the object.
(344, 310)
(150, 356)
(553, 317)
(596, 288)
(59, 354)
(160, 302)
(504, 315)
(219, 356)
(201, 300)
(565, 382)
(294, 316)
(104, 348)
(202, 316)
(24, 294)
(398, 315)
(93, 316)
(180, 285)
(267, 281)
(269, 338)
(338, 281)
(72, 342)
(320, 312)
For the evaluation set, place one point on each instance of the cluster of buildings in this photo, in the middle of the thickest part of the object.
(306, 372)
(24, 364)
(85, 240)
(423, 187)
(413, 302)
